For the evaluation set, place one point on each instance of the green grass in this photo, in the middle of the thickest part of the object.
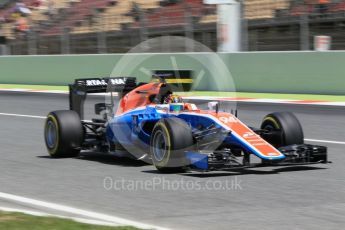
(36, 87)
(331, 98)
(18, 221)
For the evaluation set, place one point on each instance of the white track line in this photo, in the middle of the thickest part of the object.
(22, 115)
(325, 141)
(44, 214)
(42, 117)
(269, 101)
(77, 211)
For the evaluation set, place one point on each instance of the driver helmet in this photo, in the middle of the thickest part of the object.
(172, 98)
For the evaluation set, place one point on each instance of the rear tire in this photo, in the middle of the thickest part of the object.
(289, 126)
(170, 138)
(63, 133)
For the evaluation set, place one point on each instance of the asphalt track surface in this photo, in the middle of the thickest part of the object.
(271, 198)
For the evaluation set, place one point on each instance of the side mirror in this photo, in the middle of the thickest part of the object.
(163, 107)
(99, 107)
(213, 105)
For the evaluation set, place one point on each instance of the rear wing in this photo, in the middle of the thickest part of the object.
(79, 90)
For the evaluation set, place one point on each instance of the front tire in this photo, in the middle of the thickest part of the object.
(170, 138)
(63, 133)
(286, 125)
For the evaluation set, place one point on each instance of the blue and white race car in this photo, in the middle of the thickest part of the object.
(151, 123)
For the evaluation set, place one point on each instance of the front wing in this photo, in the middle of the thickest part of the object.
(222, 160)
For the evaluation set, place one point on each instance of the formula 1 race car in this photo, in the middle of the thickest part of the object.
(150, 123)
